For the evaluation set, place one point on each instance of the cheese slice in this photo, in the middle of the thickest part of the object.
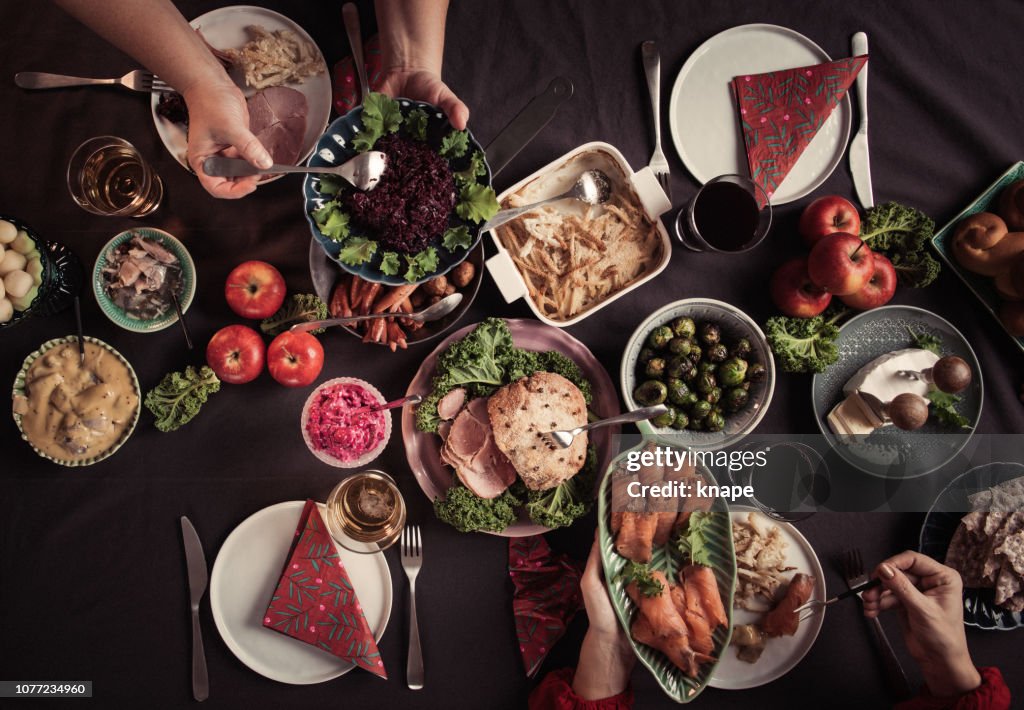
(848, 419)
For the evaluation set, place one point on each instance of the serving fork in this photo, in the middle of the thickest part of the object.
(852, 567)
(652, 68)
(412, 561)
(138, 80)
(562, 438)
(812, 607)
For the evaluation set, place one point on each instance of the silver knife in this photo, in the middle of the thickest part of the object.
(860, 164)
(197, 578)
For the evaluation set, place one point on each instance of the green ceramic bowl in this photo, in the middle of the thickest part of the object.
(114, 312)
(19, 391)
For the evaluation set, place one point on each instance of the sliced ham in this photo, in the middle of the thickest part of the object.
(450, 405)
(277, 116)
(469, 448)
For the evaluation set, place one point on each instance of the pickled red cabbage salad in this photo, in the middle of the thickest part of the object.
(430, 197)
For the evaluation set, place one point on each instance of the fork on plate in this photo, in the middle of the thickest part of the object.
(812, 607)
(852, 567)
(412, 561)
(562, 438)
(652, 68)
(138, 80)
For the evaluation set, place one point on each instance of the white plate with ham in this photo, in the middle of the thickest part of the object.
(287, 119)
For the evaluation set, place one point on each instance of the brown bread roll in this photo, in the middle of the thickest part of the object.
(983, 244)
(1011, 205)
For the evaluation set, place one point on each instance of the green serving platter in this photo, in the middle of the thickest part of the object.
(672, 680)
(980, 286)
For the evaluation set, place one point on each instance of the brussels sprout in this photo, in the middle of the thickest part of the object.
(660, 337)
(710, 333)
(714, 395)
(706, 367)
(681, 421)
(665, 419)
(756, 372)
(700, 410)
(684, 327)
(650, 392)
(677, 391)
(679, 366)
(706, 383)
(732, 372)
(714, 422)
(655, 367)
(691, 399)
(717, 352)
(742, 348)
(695, 354)
(645, 356)
(695, 424)
(735, 399)
(680, 346)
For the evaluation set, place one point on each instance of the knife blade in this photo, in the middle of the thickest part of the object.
(860, 163)
(195, 562)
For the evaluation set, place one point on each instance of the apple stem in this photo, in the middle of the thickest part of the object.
(859, 247)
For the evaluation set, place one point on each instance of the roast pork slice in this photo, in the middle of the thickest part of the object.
(451, 404)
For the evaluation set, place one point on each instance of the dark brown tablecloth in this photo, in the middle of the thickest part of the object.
(91, 566)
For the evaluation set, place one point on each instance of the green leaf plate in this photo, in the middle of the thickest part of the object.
(672, 680)
(981, 286)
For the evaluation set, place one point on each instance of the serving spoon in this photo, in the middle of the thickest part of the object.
(435, 312)
(362, 171)
(592, 187)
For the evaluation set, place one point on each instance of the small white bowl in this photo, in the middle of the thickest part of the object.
(323, 455)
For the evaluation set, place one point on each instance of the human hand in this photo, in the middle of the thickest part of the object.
(425, 85)
(929, 598)
(606, 658)
(218, 123)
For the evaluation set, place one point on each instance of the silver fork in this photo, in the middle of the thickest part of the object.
(812, 607)
(138, 80)
(412, 560)
(562, 438)
(652, 68)
(852, 567)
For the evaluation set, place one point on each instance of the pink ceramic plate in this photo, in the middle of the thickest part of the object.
(424, 450)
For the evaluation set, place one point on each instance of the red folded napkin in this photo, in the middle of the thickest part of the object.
(315, 601)
(346, 84)
(545, 597)
(781, 111)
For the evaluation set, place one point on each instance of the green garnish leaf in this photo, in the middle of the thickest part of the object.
(332, 221)
(902, 233)
(634, 572)
(416, 124)
(927, 341)
(179, 396)
(381, 115)
(390, 264)
(467, 512)
(477, 168)
(357, 250)
(944, 408)
(330, 184)
(457, 238)
(694, 541)
(454, 145)
(477, 203)
(297, 308)
(421, 264)
(804, 344)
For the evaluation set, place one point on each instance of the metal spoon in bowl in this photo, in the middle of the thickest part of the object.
(435, 312)
(592, 187)
(362, 171)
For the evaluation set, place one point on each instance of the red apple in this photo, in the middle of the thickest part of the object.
(827, 215)
(878, 290)
(840, 263)
(295, 359)
(794, 293)
(236, 354)
(254, 289)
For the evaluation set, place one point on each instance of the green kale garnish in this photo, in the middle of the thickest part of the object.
(562, 505)
(381, 115)
(332, 221)
(457, 238)
(477, 203)
(467, 512)
(477, 168)
(421, 264)
(902, 233)
(297, 308)
(804, 344)
(390, 264)
(416, 124)
(944, 408)
(454, 145)
(357, 250)
(180, 395)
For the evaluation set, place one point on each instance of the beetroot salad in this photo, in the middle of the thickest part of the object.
(332, 428)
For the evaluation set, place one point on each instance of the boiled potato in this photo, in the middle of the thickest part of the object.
(17, 283)
(23, 243)
(3, 289)
(2, 250)
(12, 261)
(8, 232)
(6, 310)
(34, 268)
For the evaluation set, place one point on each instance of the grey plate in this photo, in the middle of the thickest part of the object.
(980, 286)
(890, 452)
(940, 524)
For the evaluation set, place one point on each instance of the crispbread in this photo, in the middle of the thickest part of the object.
(520, 412)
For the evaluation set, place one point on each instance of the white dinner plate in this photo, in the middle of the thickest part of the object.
(244, 577)
(781, 654)
(702, 110)
(224, 28)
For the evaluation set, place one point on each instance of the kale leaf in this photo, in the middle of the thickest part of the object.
(179, 396)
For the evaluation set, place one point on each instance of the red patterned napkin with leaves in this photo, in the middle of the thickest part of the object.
(546, 596)
(315, 601)
(346, 83)
(781, 111)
